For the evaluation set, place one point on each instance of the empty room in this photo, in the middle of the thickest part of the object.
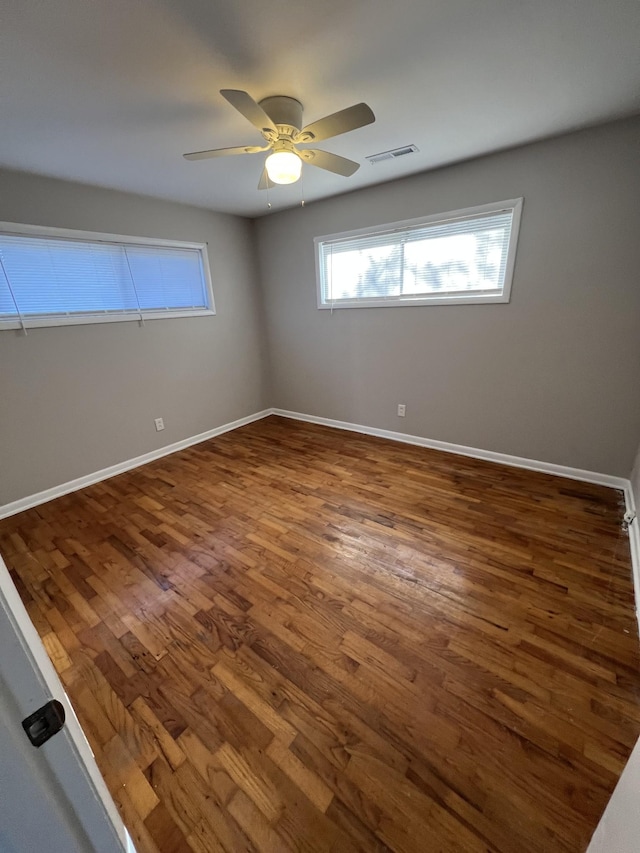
(319, 427)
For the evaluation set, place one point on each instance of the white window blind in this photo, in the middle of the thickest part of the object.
(463, 256)
(51, 278)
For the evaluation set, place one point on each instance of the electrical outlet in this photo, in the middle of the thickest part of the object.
(402, 410)
(159, 422)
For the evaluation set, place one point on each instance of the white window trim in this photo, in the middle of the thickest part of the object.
(80, 319)
(475, 298)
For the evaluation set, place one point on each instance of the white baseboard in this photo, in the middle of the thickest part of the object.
(490, 455)
(463, 450)
(634, 544)
(503, 459)
(445, 446)
(89, 479)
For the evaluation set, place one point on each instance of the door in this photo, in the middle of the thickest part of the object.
(619, 827)
(52, 797)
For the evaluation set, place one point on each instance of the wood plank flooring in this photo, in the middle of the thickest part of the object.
(295, 638)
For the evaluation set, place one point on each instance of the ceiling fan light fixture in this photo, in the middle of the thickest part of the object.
(283, 167)
(279, 121)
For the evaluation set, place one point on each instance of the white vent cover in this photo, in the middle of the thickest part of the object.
(391, 155)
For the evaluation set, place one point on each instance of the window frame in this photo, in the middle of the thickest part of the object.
(115, 316)
(453, 298)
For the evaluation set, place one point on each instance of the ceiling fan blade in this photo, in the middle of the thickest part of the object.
(224, 152)
(265, 182)
(330, 162)
(252, 111)
(352, 118)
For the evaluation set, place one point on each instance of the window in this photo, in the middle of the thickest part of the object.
(51, 277)
(461, 256)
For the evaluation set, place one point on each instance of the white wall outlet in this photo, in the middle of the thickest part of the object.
(159, 422)
(402, 410)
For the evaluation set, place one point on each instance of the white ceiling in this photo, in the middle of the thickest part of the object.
(112, 92)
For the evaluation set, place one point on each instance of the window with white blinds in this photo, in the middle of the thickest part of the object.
(461, 256)
(50, 277)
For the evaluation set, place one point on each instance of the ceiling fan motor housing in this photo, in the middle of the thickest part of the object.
(283, 111)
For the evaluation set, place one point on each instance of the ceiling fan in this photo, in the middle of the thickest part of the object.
(279, 120)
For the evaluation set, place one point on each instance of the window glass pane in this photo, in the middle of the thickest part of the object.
(472, 261)
(372, 272)
(456, 256)
(7, 306)
(60, 276)
(167, 278)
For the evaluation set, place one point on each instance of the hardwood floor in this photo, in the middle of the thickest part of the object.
(295, 638)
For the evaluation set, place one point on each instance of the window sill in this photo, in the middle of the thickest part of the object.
(476, 299)
(91, 319)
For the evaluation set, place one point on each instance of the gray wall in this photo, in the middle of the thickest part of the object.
(550, 376)
(76, 399)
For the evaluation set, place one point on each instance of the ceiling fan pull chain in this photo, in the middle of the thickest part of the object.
(268, 202)
(302, 188)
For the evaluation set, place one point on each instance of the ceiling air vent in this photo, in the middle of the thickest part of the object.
(391, 155)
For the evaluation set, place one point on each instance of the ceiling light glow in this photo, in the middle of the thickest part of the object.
(283, 167)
